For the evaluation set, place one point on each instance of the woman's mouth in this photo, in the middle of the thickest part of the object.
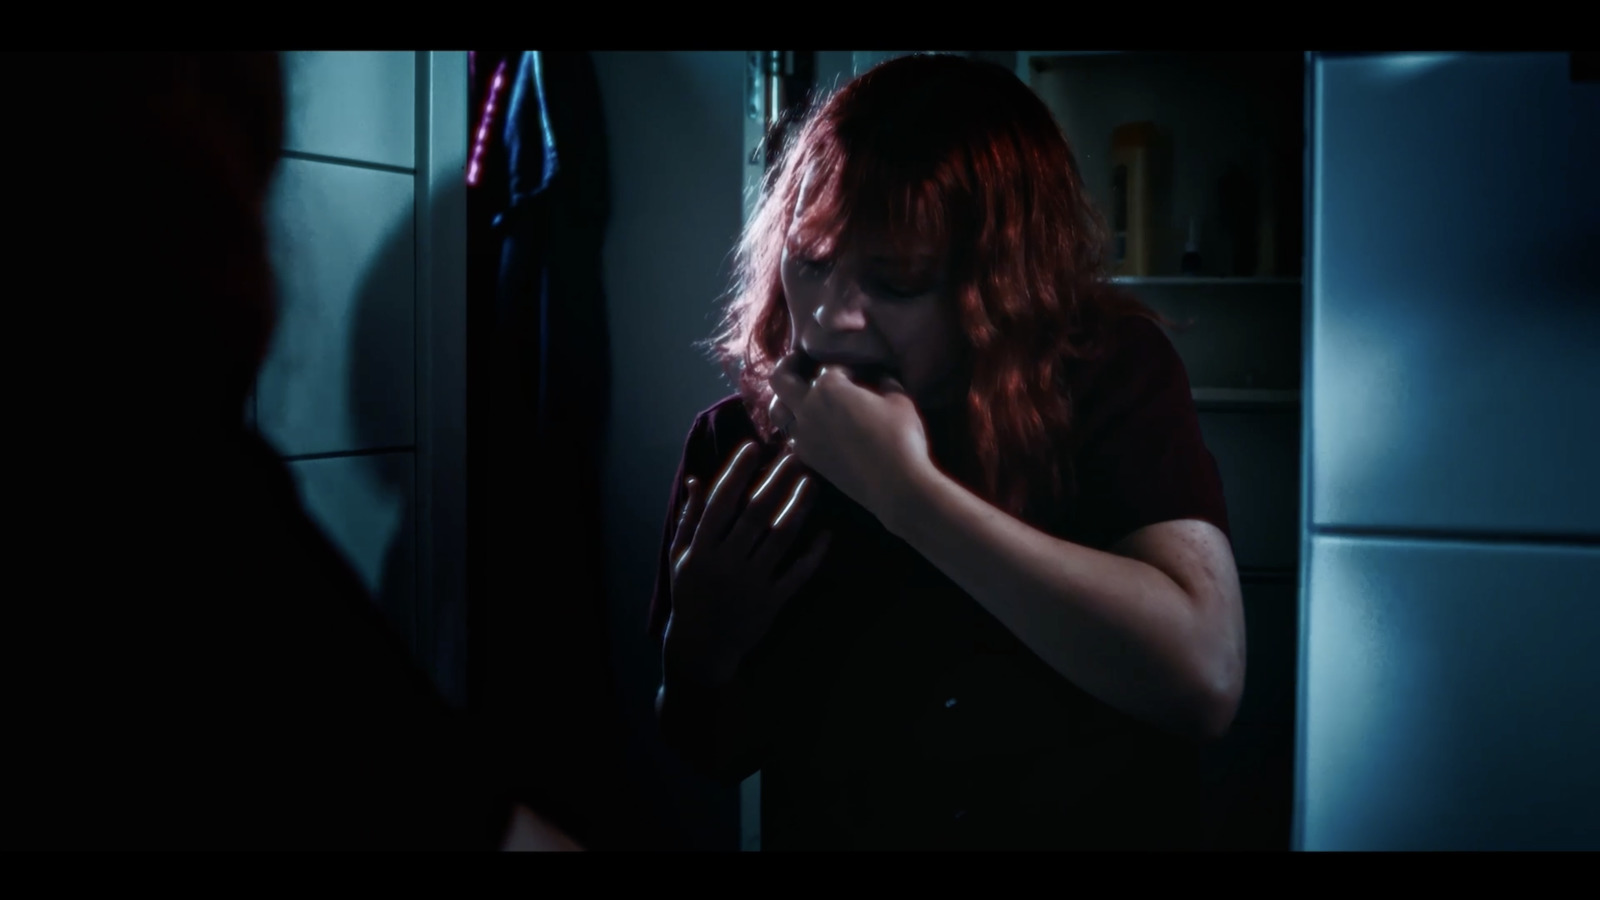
(864, 372)
(872, 373)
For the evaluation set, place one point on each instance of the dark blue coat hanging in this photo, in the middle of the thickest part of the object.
(554, 229)
(539, 416)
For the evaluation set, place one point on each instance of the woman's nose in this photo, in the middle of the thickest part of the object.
(843, 308)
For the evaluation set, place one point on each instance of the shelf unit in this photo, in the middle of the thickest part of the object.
(1230, 119)
(1234, 334)
(1245, 399)
(1202, 281)
(1232, 126)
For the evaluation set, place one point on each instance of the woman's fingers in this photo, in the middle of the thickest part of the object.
(688, 521)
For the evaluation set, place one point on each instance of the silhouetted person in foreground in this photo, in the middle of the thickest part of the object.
(189, 662)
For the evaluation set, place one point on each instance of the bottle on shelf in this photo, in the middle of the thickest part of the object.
(1139, 158)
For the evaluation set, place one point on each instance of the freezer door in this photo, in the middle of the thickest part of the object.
(1454, 265)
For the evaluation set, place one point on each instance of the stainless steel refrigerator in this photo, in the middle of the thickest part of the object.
(1450, 628)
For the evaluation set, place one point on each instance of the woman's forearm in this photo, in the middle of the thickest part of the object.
(1120, 629)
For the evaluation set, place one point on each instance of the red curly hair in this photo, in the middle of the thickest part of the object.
(961, 153)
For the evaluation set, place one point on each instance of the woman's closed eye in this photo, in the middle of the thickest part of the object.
(813, 267)
(896, 291)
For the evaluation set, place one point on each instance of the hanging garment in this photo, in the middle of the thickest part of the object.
(549, 394)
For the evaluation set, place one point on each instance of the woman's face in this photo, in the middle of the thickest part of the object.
(879, 311)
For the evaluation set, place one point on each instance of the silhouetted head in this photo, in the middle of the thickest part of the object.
(142, 179)
(928, 221)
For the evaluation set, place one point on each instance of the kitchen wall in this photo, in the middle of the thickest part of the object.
(363, 392)
(676, 130)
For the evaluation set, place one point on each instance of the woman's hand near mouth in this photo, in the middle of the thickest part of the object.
(870, 444)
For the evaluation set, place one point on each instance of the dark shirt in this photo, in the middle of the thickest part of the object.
(194, 665)
(892, 711)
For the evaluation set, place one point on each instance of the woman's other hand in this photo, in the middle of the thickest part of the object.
(729, 577)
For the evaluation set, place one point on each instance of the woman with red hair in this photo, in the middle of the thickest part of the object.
(952, 569)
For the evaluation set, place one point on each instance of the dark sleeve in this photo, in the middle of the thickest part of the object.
(1143, 459)
(702, 714)
(699, 461)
